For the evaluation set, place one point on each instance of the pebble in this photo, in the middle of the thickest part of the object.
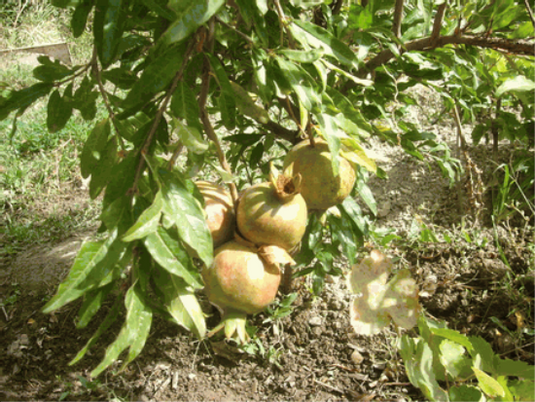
(315, 321)
(356, 357)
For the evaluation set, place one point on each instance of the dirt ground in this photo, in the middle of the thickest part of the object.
(311, 355)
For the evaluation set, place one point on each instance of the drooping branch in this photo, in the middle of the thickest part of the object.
(398, 17)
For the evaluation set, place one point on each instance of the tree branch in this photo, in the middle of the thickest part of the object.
(158, 118)
(437, 24)
(528, 7)
(205, 118)
(398, 16)
(517, 47)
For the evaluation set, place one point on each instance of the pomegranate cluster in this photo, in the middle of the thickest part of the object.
(253, 238)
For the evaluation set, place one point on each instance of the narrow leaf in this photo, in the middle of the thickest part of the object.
(190, 16)
(518, 84)
(58, 112)
(134, 331)
(103, 327)
(247, 106)
(168, 253)
(92, 302)
(108, 29)
(488, 385)
(90, 254)
(147, 222)
(180, 302)
(155, 78)
(184, 210)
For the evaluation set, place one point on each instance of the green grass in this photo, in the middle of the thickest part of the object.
(40, 182)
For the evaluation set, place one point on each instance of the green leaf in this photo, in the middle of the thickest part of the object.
(79, 17)
(94, 148)
(518, 84)
(353, 152)
(319, 37)
(24, 98)
(161, 9)
(481, 348)
(90, 255)
(134, 332)
(452, 356)
(522, 390)
(180, 302)
(92, 302)
(184, 105)
(58, 112)
(155, 78)
(454, 336)
(247, 106)
(103, 327)
(85, 99)
(367, 196)
(168, 252)
(514, 368)
(147, 222)
(227, 97)
(418, 359)
(332, 134)
(50, 71)
(302, 56)
(488, 385)
(353, 212)
(465, 393)
(108, 29)
(190, 16)
(293, 76)
(184, 210)
(191, 138)
(100, 174)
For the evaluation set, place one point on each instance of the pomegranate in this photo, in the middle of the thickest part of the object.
(273, 213)
(219, 210)
(239, 280)
(320, 188)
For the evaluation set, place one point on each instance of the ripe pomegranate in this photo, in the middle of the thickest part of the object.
(239, 280)
(219, 210)
(320, 188)
(273, 213)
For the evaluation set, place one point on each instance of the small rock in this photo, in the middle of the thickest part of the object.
(356, 357)
(384, 209)
(315, 321)
(191, 376)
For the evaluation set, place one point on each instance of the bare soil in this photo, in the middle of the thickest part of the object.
(311, 355)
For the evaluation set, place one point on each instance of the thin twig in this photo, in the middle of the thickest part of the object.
(398, 16)
(158, 117)
(240, 33)
(208, 128)
(175, 155)
(104, 94)
(528, 7)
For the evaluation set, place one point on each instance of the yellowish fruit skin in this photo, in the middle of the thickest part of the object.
(238, 279)
(219, 210)
(264, 219)
(319, 187)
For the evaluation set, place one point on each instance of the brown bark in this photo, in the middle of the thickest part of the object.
(517, 47)
(398, 16)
